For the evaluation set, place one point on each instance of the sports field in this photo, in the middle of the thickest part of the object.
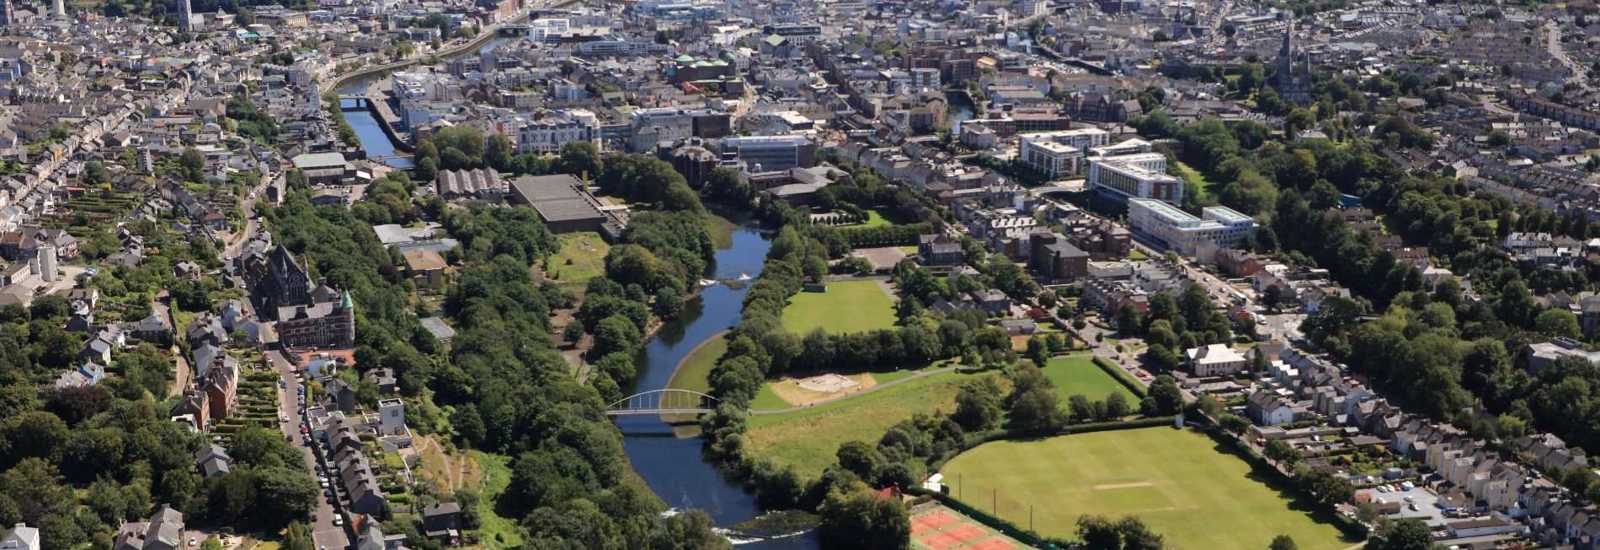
(582, 257)
(1184, 488)
(1076, 374)
(808, 438)
(847, 306)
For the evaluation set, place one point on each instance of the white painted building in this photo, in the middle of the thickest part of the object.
(546, 132)
(1182, 232)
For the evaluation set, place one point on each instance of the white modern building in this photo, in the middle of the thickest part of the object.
(1059, 153)
(547, 131)
(772, 153)
(1182, 232)
(1050, 159)
(1141, 176)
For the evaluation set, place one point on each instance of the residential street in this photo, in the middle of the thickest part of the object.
(323, 531)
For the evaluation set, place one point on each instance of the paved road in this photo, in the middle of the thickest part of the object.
(1552, 32)
(323, 531)
(180, 372)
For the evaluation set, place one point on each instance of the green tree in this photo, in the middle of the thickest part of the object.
(94, 173)
(852, 517)
(1279, 451)
(860, 458)
(193, 164)
(978, 405)
(1405, 534)
(1558, 323)
(615, 334)
(1282, 542)
(1165, 396)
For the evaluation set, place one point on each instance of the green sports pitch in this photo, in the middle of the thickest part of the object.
(1177, 481)
(847, 306)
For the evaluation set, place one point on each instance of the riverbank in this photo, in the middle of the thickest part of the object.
(693, 373)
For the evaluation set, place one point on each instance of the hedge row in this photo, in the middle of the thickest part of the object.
(1121, 376)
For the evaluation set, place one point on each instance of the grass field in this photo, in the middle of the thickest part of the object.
(495, 531)
(808, 439)
(1177, 481)
(874, 219)
(694, 372)
(847, 306)
(1195, 181)
(1076, 374)
(582, 257)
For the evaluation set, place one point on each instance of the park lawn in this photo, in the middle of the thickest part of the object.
(694, 372)
(582, 257)
(808, 439)
(766, 399)
(847, 306)
(1195, 181)
(1077, 374)
(495, 531)
(874, 219)
(1176, 481)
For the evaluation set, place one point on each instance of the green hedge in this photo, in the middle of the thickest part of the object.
(1121, 376)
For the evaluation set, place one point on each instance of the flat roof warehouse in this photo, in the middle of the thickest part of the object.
(564, 204)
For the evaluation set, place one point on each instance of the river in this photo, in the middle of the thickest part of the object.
(368, 131)
(674, 468)
(374, 140)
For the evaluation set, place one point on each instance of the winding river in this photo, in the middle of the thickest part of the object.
(674, 468)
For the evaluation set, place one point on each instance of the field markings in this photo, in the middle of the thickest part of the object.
(1115, 486)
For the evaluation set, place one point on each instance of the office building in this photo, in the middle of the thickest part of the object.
(1182, 232)
(1140, 176)
(1061, 153)
(772, 153)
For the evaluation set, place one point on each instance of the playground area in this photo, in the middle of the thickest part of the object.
(801, 392)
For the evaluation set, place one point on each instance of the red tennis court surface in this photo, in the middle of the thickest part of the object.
(935, 527)
(997, 543)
